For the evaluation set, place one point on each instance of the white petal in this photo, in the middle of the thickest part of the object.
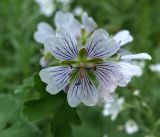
(63, 19)
(75, 28)
(57, 78)
(100, 45)
(106, 79)
(123, 52)
(43, 30)
(104, 95)
(126, 72)
(63, 46)
(88, 22)
(122, 71)
(82, 91)
(68, 22)
(123, 37)
(141, 56)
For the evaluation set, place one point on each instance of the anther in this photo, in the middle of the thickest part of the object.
(94, 68)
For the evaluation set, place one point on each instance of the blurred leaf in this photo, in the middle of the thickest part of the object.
(40, 109)
(21, 130)
(8, 105)
(27, 83)
(62, 121)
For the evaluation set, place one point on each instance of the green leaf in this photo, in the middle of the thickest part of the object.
(27, 83)
(35, 110)
(62, 121)
(8, 105)
(21, 129)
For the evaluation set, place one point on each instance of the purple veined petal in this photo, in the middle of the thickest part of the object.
(123, 37)
(43, 30)
(122, 71)
(106, 79)
(63, 46)
(57, 78)
(82, 90)
(100, 45)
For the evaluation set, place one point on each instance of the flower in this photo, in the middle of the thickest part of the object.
(131, 127)
(85, 70)
(46, 7)
(113, 108)
(136, 92)
(105, 135)
(68, 22)
(155, 67)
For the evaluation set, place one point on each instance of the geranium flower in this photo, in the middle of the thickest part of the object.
(47, 7)
(68, 22)
(131, 127)
(84, 70)
(155, 67)
(113, 108)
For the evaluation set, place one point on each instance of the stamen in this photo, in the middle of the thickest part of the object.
(94, 68)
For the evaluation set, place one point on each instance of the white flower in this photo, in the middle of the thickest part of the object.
(43, 30)
(78, 11)
(155, 67)
(136, 92)
(131, 127)
(113, 108)
(46, 6)
(80, 66)
(123, 37)
(105, 135)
